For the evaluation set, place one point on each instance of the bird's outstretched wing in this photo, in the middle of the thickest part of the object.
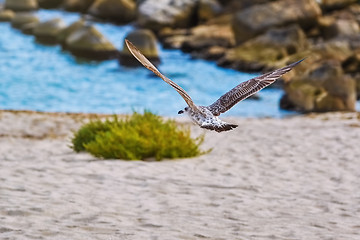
(144, 61)
(246, 89)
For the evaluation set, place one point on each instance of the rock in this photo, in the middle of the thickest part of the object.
(122, 11)
(49, 3)
(331, 27)
(156, 14)
(66, 32)
(265, 50)
(146, 42)
(322, 87)
(352, 63)
(21, 19)
(255, 20)
(28, 28)
(47, 32)
(236, 5)
(329, 5)
(197, 40)
(208, 9)
(77, 5)
(89, 43)
(205, 36)
(6, 15)
(21, 5)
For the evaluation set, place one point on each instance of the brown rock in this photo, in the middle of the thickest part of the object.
(66, 32)
(208, 9)
(265, 50)
(21, 19)
(47, 32)
(6, 15)
(156, 14)
(335, 4)
(122, 11)
(255, 20)
(322, 87)
(331, 27)
(49, 3)
(88, 42)
(146, 42)
(77, 5)
(21, 5)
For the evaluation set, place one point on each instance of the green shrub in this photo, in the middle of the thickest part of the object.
(139, 136)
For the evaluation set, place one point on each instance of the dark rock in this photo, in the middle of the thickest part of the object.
(21, 5)
(255, 20)
(77, 5)
(47, 32)
(66, 32)
(264, 51)
(331, 27)
(28, 28)
(156, 14)
(208, 9)
(89, 43)
(352, 63)
(21, 19)
(50, 3)
(323, 87)
(329, 5)
(146, 42)
(122, 11)
(6, 15)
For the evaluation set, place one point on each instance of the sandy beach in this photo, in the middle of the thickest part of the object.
(292, 178)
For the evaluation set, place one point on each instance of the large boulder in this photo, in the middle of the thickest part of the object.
(66, 32)
(22, 19)
(323, 87)
(21, 5)
(6, 15)
(156, 14)
(77, 5)
(47, 32)
(146, 42)
(122, 11)
(50, 3)
(89, 43)
(264, 51)
(319, 83)
(257, 19)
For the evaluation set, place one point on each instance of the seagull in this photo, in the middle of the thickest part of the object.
(207, 116)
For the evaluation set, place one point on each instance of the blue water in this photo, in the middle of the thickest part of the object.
(44, 78)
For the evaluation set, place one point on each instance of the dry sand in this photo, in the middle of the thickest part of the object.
(294, 178)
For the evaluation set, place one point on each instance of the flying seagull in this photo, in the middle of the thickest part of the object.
(207, 116)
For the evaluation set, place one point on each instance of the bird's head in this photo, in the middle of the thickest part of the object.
(182, 111)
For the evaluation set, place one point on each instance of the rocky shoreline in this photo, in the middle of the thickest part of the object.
(245, 35)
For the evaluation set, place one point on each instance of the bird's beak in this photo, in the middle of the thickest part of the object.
(180, 112)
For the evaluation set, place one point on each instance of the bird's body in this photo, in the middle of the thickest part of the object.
(207, 116)
(203, 117)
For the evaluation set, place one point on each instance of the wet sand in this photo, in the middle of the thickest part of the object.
(293, 178)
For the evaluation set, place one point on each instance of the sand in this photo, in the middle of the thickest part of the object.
(293, 178)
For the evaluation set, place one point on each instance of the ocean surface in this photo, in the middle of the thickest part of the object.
(45, 78)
